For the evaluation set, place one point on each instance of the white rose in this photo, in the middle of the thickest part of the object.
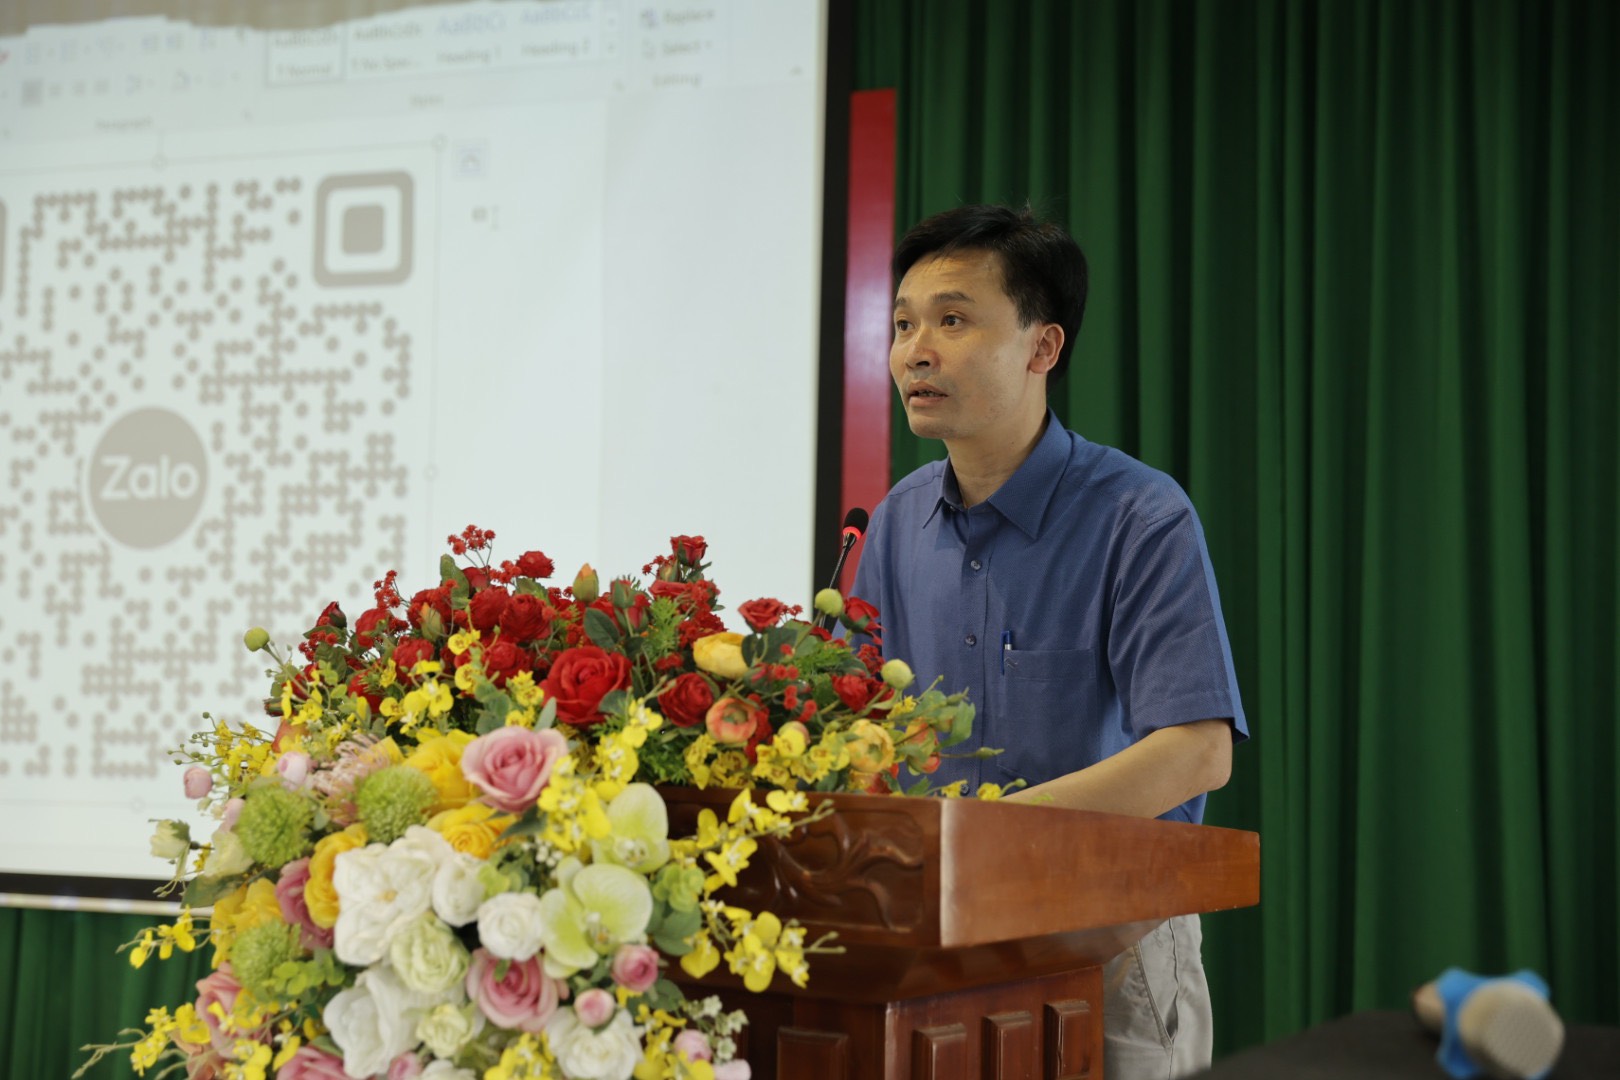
(610, 1053)
(427, 956)
(372, 1022)
(424, 841)
(510, 925)
(447, 1028)
(379, 891)
(457, 889)
(444, 1070)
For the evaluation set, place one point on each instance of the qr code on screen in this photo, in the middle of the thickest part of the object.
(212, 404)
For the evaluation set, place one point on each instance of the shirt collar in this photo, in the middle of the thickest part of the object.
(1023, 499)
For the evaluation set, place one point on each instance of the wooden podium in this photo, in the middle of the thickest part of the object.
(975, 932)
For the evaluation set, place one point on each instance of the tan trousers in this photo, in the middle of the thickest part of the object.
(1156, 1014)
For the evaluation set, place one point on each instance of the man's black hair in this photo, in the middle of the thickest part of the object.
(1043, 270)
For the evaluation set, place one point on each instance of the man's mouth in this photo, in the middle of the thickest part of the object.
(923, 392)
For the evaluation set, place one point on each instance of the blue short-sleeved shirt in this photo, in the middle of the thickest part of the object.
(1076, 606)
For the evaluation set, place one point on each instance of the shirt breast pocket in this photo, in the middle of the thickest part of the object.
(1047, 713)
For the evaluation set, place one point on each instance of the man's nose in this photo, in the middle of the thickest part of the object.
(920, 351)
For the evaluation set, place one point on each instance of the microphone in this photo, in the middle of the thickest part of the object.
(855, 523)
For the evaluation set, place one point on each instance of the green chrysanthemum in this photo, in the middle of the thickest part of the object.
(392, 800)
(258, 951)
(274, 826)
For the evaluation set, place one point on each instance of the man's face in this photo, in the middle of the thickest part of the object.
(967, 372)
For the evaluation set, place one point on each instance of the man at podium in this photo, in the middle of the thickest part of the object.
(1064, 584)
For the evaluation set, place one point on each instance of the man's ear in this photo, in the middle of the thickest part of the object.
(1048, 347)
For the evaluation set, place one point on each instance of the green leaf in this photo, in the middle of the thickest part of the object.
(614, 702)
(753, 647)
(203, 891)
(665, 995)
(672, 932)
(490, 720)
(532, 823)
(448, 569)
(600, 629)
(548, 715)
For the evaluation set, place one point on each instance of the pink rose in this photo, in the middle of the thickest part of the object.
(405, 1067)
(595, 1008)
(512, 765)
(312, 1064)
(198, 781)
(693, 1045)
(523, 1001)
(294, 911)
(233, 810)
(635, 967)
(733, 1070)
(218, 987)
(293, 767)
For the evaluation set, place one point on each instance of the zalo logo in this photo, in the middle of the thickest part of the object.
(147, 477)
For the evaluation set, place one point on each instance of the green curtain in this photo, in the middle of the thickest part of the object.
(1355, 276)
(63, 986)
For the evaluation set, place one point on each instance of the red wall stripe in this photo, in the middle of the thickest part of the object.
(868, 305)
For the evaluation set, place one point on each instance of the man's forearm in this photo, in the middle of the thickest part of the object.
(1148, 778)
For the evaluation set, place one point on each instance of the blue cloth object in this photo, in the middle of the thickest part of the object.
(1076, 605)
(1455, 985)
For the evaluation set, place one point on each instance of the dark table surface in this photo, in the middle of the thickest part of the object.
(1376, 1044)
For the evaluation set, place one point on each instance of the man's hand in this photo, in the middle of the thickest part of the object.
(1149, 777)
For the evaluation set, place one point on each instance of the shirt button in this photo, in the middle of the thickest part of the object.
(976, 564)
(971, 640)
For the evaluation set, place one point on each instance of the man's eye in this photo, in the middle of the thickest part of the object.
(901, 326)
(951, 320)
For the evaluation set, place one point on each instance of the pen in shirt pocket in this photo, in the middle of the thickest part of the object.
(1006, 647)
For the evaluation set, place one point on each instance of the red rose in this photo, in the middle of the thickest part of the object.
(437, 600)
(580, 678)
(370, 624)
(332, 615)
(524, 618)
(688, 594)
(856, 691)
(485, 608)
(358, 688)
(861, 616)
(762, 614)
(503, 660)
(687, 700)
(534, 564)
(689, 549)
(412, 651)
(477, 577)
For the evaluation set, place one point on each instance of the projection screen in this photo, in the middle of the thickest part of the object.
(282, 307)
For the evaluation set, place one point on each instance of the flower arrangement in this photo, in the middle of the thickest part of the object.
(450, 860)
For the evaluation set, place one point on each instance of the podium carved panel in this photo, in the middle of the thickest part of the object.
(974, 932)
